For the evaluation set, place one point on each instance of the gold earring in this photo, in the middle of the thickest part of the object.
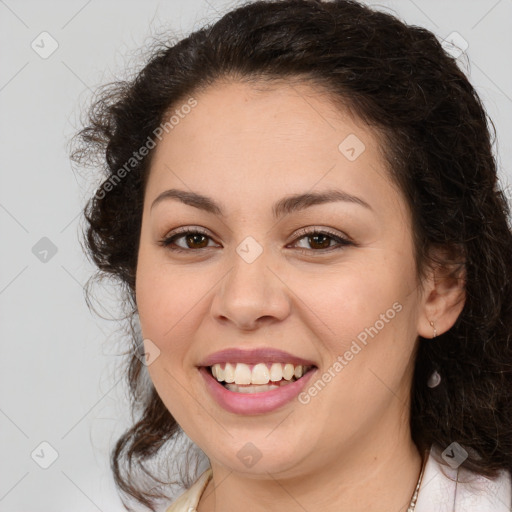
(433, 327)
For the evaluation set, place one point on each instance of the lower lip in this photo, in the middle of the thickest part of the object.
(254, 403)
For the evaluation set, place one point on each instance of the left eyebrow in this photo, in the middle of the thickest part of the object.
(282, 207)
(297, 202)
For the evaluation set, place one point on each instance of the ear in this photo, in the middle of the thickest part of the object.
(444, 292)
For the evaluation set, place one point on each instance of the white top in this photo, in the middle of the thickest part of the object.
(444, 489)
(467, 492)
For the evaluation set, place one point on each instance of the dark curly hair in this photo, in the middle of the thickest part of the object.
(437, 141)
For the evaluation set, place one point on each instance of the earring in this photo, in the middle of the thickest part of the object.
(433, 327)
(434, 379)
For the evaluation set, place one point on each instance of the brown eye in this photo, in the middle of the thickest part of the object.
(320, 241)
(187, 241)
(196, 238)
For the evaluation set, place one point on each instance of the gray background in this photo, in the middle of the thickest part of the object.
(58, 377)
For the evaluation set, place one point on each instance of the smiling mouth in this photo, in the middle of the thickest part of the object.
(242, 380)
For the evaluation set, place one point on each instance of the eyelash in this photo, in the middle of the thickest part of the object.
(302, 233)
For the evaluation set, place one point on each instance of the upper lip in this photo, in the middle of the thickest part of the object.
(254, 356)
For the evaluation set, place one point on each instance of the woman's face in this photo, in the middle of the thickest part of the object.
(267, 272)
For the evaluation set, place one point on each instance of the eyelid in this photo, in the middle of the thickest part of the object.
(307, 230)
(187, 229)
(341, 239)
(182, 231)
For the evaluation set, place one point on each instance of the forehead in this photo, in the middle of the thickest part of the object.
(264, 138)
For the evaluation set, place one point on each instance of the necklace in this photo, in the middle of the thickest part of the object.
(412, 504)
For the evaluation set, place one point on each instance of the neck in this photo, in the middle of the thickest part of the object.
(363, 479)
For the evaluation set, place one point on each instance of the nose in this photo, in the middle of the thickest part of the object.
(251, 295)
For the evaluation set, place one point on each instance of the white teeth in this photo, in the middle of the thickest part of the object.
(229, 373)
(276, 372)
(242, 374)
(288, 371)
(261, 374)
(219, 372)
(256, 388)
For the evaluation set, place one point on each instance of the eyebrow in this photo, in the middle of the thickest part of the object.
(282, 207)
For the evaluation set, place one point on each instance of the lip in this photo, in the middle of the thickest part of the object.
(254, 403)
(254, 356)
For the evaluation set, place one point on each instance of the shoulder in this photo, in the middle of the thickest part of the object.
(188, 501)
(443, 489)
(447, 489)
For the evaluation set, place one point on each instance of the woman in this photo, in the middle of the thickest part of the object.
(302, 205)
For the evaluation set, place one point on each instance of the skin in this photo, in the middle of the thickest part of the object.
(246, 146)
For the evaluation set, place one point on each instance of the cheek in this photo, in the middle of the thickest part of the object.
(168, 311)
(350, 301)
(367, 318)
(172, 302)
(367, 332)
(161, 295)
